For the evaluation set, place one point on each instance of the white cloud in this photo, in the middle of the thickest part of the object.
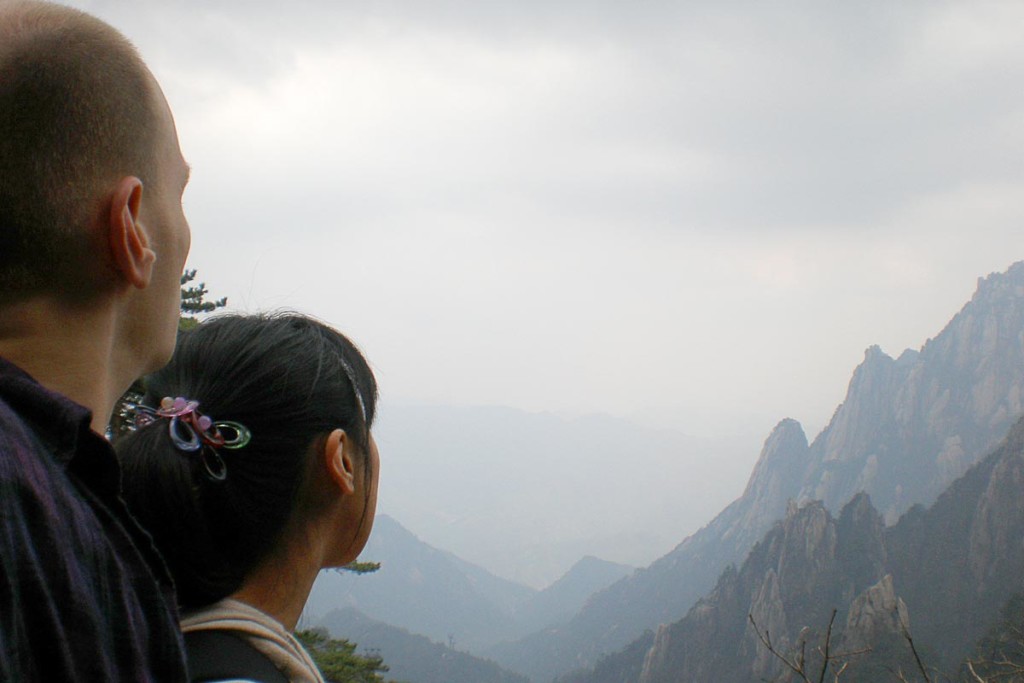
(699, 208)
(695, 214)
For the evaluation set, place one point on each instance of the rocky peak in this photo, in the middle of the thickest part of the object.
(909, 427)
(1009, 284)
(861, 544)
(876, 615)
(990, 320)
(868, 403)
(783, 458)
(808, 543)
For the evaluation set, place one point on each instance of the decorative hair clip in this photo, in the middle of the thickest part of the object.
(192, 431)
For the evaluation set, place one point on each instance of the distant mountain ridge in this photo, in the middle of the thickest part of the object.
(436, 594)
(411, 657)
(558, 602)
(907, 428)
(508, 473)
(422, 589)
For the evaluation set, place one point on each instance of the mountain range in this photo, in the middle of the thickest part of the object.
(943, 573)
(863, 520)
(513, 491)
(436, 594)
(411, 657)
(906, 430)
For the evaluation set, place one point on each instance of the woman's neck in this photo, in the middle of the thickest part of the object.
(280, 585)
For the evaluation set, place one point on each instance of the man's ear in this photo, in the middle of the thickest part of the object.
(129, 244)
(338, 458)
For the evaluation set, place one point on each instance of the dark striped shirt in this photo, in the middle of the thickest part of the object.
(83, 594)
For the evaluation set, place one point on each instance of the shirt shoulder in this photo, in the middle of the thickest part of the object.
(70, 570)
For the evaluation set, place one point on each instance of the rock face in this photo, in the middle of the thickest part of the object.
(951, 569)
(910, 426)
(907, 428)
(787, 587)
(875, 615)
(958, 563)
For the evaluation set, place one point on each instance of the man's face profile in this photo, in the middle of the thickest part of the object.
(162, 217)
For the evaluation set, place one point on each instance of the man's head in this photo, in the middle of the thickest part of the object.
(90, 172)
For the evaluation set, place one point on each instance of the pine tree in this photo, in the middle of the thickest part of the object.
(337, 658)
(193, 301)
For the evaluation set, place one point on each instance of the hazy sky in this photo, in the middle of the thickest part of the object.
(698, 214)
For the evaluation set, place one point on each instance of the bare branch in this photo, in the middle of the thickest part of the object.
(825, 659)
(766, 640)
(913, 648)
(796, 661)
(974, 674)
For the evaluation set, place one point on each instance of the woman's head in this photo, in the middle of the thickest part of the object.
(305, 394)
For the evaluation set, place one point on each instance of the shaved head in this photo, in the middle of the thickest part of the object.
(78, 111)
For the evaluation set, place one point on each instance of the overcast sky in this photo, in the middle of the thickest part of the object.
(695, 214)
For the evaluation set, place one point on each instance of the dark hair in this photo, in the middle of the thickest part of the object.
(290, 380)
(77, 110)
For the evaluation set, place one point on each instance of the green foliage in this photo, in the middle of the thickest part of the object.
(193, 301)
(416, 658)
(361, 567)
(337, 659)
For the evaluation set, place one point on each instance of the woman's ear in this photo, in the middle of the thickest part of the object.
(338, 458)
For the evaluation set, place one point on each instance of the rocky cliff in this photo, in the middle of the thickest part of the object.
(787, 586)
(944, 573)
(906, 429)
(909, 426)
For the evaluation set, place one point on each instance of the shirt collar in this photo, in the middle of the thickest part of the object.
(56, 419)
